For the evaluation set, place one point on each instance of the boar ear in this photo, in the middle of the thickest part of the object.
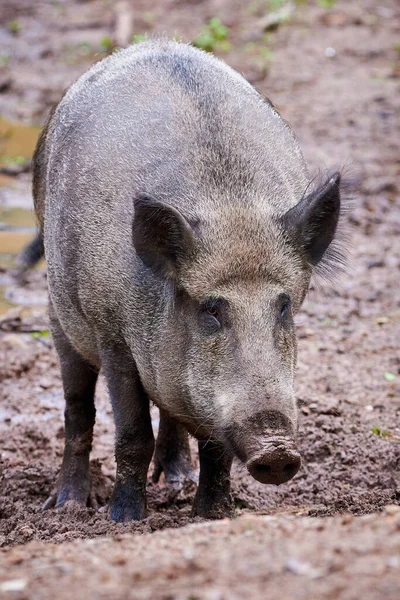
(161, 235)
(312, 223)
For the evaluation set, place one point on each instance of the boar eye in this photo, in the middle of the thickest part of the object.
(210, 315)
(285, 306)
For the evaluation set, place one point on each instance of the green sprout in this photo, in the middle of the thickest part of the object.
(213, 37)
(43, 333)
(14, 27)
(11, 161)
(381, 432)
(107, 44)
(138, 37)
(326, 3)
(389, 376)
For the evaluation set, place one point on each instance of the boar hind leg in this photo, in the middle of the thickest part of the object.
(79, 382)
(172, 453)
(134, 435)
(213, 499)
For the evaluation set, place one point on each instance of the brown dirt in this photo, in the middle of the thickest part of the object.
(345, 111)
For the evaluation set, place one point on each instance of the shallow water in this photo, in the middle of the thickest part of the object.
(17, 218)
(17, 142)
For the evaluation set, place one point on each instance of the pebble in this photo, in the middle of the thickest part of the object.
(302, 568)
(330, 52)
(13, 585)
(45, 383)
(393, 561)
(392, 509)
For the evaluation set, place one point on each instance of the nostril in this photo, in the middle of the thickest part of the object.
(261, 470)
(276, 468)
(290, 469)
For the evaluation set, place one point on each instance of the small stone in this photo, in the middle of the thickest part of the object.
(13, 585)
(348, 518)
(188, 554)
(382, 320)
(392, 509)
(16, 558)
(118, 559)
(45, 383)
(330, 52)
(305, 333)
(303, 568)
(393, 561)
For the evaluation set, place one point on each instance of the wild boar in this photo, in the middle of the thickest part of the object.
(181, 230)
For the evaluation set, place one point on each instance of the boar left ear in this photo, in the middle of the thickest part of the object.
(312, 223)
(161, 235)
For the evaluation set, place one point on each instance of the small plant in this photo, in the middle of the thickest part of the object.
(261, 55)
(276, 4)
(85, 48)
(138, 37)
(326, 3)
(44, 333)
(381, 432)
(12, 161)
(4, 59)
(389, 376)
(107, 44)
(213, 37)
(14, 27)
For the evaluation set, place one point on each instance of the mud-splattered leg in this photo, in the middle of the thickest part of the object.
(134, 435)
(213, 499)
(172, 453)
(79, 382)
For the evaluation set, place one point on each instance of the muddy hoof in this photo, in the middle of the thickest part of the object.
(126, 505)
(79, 494)
(176, 472)
(213, 508)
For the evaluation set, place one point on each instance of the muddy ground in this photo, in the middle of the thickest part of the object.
(335, 76)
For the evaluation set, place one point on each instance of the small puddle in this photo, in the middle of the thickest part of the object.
(17, 218)
(17, 142)
(17, 229)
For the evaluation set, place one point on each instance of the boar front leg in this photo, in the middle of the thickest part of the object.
(134, 435)
(172, 454)
(213, 498)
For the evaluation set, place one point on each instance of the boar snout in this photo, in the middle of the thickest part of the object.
(278, 462)
(265, 442)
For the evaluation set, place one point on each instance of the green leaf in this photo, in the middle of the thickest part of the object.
(44, 333)
(381, 432)
(138, 37)
(326, 3)
(389, 376)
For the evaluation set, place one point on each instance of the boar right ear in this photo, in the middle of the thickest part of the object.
(161, 235)
(312, 223)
